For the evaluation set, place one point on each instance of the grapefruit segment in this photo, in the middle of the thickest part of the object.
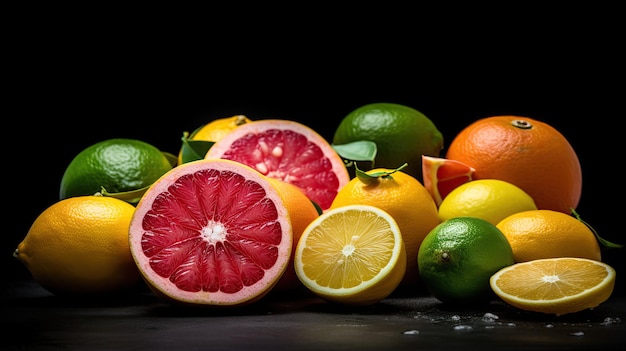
(442, 175)
(211, 232)
(288, 151)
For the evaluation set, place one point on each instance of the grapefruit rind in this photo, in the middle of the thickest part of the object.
(170, 233)
(442, 175)
(289, 151)
(589, 297)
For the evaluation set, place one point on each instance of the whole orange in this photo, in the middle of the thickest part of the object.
(538, 234)
(301, 213)
(405, 199)
(523, 151)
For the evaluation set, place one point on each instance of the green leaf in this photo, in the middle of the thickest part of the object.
(371, 178)
(607, 244)
(363, 150)
(193, 150)
(317, 207)
(131, 197)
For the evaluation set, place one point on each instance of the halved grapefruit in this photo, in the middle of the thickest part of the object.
(288, 151)
(442, 175)
(213, 233)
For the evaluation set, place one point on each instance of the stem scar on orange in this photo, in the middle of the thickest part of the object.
(523, 151)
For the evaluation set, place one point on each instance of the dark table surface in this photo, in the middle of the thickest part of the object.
(34, 319)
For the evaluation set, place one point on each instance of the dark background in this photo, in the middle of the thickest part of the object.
(73, 83)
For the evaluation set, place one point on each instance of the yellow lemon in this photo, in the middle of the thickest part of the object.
(80, 245)
(489, 199)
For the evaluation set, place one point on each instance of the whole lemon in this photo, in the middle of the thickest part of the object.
(457, 258)
(402, 135)
(489, 199)
(118, 165)
(404, 198)
(80, 245)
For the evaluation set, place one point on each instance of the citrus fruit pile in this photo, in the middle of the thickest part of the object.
(523, 177)
(250, 206)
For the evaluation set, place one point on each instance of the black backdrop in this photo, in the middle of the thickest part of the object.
(69, 90)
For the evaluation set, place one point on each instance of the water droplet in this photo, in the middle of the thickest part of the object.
(609, 321)
(489, 317)
(462, 327)
(577, 333)
(411, 332)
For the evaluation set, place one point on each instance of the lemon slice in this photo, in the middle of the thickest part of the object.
(555, 285)
(351, 255)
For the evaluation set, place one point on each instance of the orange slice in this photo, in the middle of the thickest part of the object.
(442, 175)
(555, 285)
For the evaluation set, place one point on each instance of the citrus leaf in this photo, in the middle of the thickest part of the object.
(317, 207)
(607, 244)
(363, 150)
(193, 150)
(131, 197)
(364, 177)
(370, 178)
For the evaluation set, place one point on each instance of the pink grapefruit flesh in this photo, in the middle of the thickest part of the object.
(211, 232)
(442, 175)
(288, 151)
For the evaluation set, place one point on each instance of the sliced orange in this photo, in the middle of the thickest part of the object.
(442, 175)
(555, 285)
(351, 255)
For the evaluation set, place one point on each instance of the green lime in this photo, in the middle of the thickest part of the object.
(118, 165)
(457, 258)
(401, 133)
